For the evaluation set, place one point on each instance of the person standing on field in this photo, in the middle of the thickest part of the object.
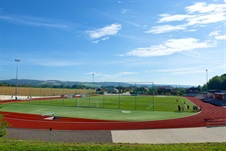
(179, 108)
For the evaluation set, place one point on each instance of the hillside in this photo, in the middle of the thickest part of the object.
(58, 83)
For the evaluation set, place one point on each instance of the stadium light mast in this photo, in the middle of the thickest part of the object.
(93, 77)
(207, 80)
(16, 92)
(93, 83)
(153, 109)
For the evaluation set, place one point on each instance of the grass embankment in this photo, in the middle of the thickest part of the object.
(19, 145)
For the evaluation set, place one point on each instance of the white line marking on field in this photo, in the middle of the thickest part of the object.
(126, 111)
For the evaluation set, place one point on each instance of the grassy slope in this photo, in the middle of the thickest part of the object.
(16, 145)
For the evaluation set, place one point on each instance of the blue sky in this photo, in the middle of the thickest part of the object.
(160, 41)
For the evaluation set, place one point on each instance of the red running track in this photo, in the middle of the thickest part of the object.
(209, 112)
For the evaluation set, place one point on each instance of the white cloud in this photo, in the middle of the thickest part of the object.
(169, 47)
(123, 11)
(216, 35)
(221, 37)
(197, 14)
(111, 77)
(206, 13)
(179, 71)
(95, 41)
(126, 73)
(32, 21)
(105, 38)
(206, 19)
(105, 31)
(177, 17)
(115, 75)
(191, 30)
(203, 7)
(102, 39)
(164, 29)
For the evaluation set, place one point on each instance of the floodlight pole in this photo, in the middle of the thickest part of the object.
(153, 96)
(93, 76)
(16, 92)
(119, 103)
(135, 96)
(93, 83)
(207, 80)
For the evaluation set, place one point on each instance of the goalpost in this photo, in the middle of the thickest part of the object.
(144, 89)
(128, 96)
(87, 102)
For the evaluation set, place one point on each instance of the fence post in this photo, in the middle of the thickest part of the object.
(103, 94)
(119, 98)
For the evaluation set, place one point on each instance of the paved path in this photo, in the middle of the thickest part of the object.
(166, 136)
(60, 135)
(155, 136)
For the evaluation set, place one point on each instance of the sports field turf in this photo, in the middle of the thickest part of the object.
(122, 108)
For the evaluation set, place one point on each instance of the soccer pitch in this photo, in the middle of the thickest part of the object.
(143, 103)
(121, 108)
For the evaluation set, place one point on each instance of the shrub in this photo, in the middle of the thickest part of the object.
(3, 125)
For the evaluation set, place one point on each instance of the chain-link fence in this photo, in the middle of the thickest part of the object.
(110, 95)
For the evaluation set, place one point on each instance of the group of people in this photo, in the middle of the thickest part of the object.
(13, 96)
(181, 108)
(187, 107)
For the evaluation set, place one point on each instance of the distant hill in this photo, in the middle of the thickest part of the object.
(38, 83)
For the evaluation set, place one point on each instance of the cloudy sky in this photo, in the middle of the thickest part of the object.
(160, 41)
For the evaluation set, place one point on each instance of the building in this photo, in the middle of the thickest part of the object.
(193, 90)
(99, 91)
(220, 96)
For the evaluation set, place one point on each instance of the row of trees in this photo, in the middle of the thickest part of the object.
(159, 90)
(216, 83)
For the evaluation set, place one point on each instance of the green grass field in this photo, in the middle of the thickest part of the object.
(123, 108)
(143, 103)
(25, 145)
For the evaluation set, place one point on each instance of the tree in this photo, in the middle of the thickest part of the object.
(3, 125)
(224, 84)
(204, 87)
(215, 83)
